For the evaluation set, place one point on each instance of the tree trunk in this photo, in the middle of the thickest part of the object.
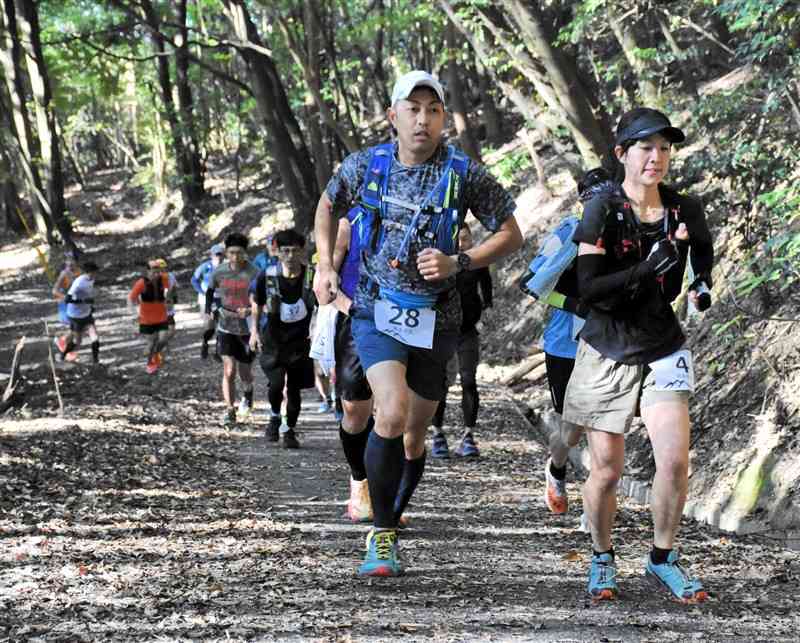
(491, 115)
(9, 200)
(682, 57)
(308, 61)
(457, 103)
(525, 106)
(591, 137)
(192, 163)
(322, 168)
(49, 140)
(648, 90)
(292, 159)
(10, 54)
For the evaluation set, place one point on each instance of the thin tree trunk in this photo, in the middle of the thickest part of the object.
(491, 115)
(310, 66)
(590, 136)
(682, 56)
(526, 106)
(293, 161)
(322, 168)
(648, 90)
(457, 103)
(192, 163)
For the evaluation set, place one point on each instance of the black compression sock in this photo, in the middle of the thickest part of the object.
(207, 335)
(659, 556)
(412, 474)
(354, 445)
(96, 351)
(69, 347)
(559, 473)
(383, 459)
(248, 395)
(600, 553)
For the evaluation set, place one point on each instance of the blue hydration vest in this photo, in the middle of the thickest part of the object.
(436, 219)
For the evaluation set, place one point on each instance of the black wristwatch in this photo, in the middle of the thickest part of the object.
(464, 262)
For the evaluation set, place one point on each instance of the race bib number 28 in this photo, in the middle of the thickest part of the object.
(674, 372)
(411, 326)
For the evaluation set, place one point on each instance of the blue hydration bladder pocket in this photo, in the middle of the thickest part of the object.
(407, 299)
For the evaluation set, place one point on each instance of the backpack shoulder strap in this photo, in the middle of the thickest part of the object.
(454, 190)
(377, 176)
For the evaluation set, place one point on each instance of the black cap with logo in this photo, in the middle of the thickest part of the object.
(650, 122)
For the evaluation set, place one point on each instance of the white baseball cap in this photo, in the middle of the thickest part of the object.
(407, 83)
(217, 249)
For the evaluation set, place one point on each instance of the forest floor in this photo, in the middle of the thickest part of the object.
(137, 517)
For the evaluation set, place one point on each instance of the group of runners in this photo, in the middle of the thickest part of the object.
(397, 262)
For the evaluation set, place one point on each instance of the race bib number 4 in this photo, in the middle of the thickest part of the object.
(411, 326)
(674, 372)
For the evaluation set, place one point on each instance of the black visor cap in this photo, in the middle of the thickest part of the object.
(649, 124)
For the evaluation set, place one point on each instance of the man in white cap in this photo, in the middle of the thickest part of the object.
(413, 195)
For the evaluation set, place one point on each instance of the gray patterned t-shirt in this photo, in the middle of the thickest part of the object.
(488, 201)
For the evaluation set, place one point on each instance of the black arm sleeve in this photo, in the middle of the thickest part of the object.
(485, 282)
(209, 299)
(594, 286)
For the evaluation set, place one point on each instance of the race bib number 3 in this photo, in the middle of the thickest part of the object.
(674, 372)
(411, 326)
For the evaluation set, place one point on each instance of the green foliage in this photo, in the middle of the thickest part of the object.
(509, 168)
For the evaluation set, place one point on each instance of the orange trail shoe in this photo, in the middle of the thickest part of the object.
(555, 491)
(359, 507)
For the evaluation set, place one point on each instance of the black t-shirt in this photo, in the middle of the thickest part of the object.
(638, 325)
(472, 304)
(287, 332)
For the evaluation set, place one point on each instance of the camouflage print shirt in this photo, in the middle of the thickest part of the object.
(488, 201)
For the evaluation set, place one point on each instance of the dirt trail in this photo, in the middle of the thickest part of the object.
(137, 517)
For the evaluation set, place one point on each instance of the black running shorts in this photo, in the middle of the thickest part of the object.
(351, 381)
(235, 346)
(297, 374)
(80, 324)
(152, 329)
(559, 370)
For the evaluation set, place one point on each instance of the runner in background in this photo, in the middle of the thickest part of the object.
(68, 274)
(230, 282)
(80, 313)
(465, 361)
(200, 282)
(150, 293)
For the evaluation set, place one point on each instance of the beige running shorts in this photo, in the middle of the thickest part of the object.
(606, 395)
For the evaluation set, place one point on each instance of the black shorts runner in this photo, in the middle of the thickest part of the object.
(80, 324)
(298, 374)
(351, 381)
(152, 329)
(235, 346)
(559, 370)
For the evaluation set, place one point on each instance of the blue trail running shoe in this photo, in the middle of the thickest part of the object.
(676, 580)
(467, 448)
(440, 450)
(603, 578)
(382, 556)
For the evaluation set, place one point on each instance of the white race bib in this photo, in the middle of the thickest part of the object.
(291, 313)
(411, 326)
(674, 372)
